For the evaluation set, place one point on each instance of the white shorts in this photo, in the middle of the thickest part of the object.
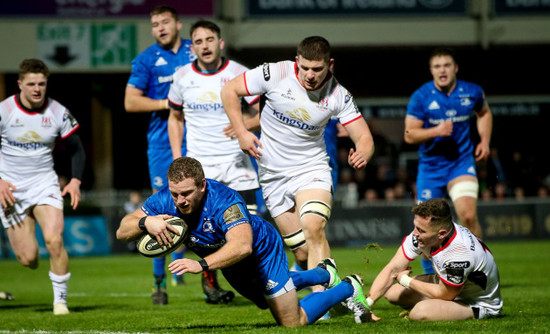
(238, 175)
(280, 190)
(46, 192)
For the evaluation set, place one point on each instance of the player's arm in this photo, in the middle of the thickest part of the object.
(386, 278)
(230, 95)
(175, 131)
(415, 133)
(440, 290)
(78, 159)
(361, 136)
(485, 129)
(136, 101)
(130, 230)
(237, 247)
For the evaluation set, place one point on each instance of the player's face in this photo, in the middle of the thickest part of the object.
(33, 90)
(311, 73)
(207, 46)
(165, 29)
(425, 234)
(443, 70)
(187, 195)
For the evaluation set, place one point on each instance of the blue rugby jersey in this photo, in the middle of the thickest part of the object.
(223, 209)
(432, 106)
(152, 72)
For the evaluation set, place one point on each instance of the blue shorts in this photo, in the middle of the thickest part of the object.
(432, 179)
(264, 274)
(159, 159)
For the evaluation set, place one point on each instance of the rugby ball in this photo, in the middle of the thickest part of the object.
(148, 245)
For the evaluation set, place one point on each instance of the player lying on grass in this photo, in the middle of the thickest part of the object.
(466, 284)
(248, 249)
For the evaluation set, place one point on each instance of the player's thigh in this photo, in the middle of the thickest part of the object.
(286, 310)
(159, 160)
(50, 220)
(288, 222)
(23, 237)
(314, 205)
(438, 309)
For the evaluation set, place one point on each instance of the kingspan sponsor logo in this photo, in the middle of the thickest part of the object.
(294, 122)
(206, 106)
(26, 146)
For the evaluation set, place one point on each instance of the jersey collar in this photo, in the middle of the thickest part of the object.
(29, 111)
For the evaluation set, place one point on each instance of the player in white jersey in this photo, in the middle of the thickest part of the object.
(466, 284)
(194, 98)
(298, 100)
(29, 187)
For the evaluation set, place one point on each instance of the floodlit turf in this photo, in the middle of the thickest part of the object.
(112, 294)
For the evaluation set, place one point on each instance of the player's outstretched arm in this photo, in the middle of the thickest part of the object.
(157, 226)
(386, 278)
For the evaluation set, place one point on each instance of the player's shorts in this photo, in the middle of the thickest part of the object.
(280, 190)
(45, 192)
(238, 174)
(265, 274)
(432, 180)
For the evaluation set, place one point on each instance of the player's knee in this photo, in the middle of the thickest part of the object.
(54, 244)
(28, 259)
(295, 240)
(314, 216)
(420, 311)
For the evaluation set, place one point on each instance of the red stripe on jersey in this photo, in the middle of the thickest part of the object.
(449, 283)
(446, 244)
(72, 131)
(353, 120)
(174, 103)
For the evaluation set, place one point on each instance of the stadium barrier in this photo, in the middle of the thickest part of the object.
(92, 231)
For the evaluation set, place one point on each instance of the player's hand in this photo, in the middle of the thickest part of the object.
(444, 129)
(356, 160)
(182, 266)
(157, 226)
(407, 271)
(482, 151)
(374, 317)
(6, 194)
(249, 143)
(73, 189)
(228, 131)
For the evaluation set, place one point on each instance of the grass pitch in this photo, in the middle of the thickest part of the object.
(112, 295)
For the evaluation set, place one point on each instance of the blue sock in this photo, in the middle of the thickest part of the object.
(177, 256)
(158, 267)
(316, 304)
(427, 266)
(307, 278)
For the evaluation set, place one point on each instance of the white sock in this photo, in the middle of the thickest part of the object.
(60, 284)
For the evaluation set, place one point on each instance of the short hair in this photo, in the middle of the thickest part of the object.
(185, 167)
(160, 9)
(206, 25)
(33, 65)
(314, 48)
(437, 209)
(440, 52)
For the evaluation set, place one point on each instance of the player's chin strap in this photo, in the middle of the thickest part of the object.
(316, 207)
(295, 240)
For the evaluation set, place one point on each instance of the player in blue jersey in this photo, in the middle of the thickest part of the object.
(438, 118)
(147, 91)
(248, 250)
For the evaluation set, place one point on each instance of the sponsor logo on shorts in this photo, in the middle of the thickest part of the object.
(265, 70)
(270, 285)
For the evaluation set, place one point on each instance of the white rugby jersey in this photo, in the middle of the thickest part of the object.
(198, 95)
(293, 118)
(463, 260)
(28, 139)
